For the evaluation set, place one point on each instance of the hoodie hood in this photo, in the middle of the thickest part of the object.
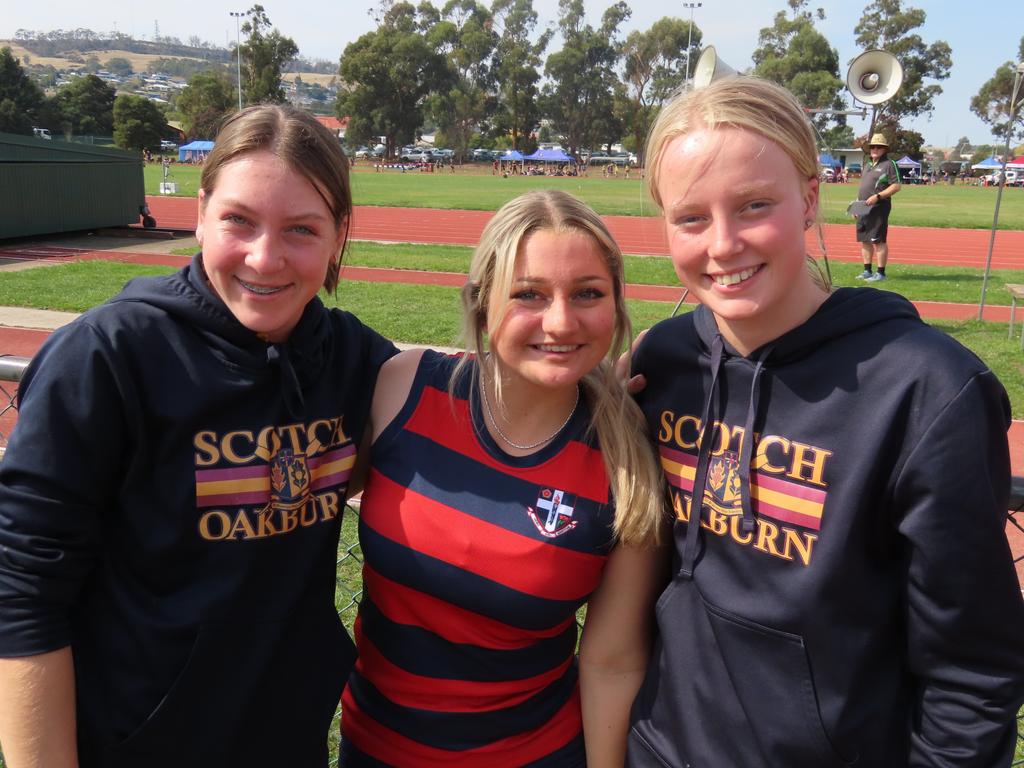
(187, 297)
(847, 310)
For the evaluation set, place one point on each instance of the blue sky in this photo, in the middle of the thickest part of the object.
(981, 40)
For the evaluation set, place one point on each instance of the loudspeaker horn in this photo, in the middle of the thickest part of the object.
(874, 77)
(710, 68)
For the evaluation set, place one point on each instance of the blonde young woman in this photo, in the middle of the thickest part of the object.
(848, 596)
(509, 486)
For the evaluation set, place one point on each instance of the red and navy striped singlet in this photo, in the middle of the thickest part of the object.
(475, 565)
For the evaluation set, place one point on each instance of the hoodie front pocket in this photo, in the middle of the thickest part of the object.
(640, 754)
(772, 678)
(200, 707)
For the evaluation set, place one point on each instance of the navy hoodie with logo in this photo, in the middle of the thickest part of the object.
(170, 506)
(848, 597)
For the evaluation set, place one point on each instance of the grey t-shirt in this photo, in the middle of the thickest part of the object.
(877, 177)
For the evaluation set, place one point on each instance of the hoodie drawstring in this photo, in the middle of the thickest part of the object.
(291, 389)
(748, 443)
(690, 544)
(703, 459)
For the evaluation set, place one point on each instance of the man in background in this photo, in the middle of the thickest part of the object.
(879, 181)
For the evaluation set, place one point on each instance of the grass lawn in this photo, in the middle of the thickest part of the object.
(918, 283)
(429, 314)
(918, 206)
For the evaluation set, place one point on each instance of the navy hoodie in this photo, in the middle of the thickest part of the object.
(170, 505)
(848, 597)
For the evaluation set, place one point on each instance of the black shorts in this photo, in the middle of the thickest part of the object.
(873, 227)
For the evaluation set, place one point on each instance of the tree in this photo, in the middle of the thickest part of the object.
(516, 60)
(138, 123)
(118, 65)
(464, 33)
(992, 102)
(204, 102)
(579, 98)
(901, 141)
(86, 106)
(390, 72)
(654, 65)
(887, 25)
(20, 98)
(795, 55)
(264, 56)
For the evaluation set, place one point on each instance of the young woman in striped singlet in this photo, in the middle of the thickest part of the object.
(509, 486)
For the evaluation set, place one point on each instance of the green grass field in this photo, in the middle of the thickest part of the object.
(429, 314)
(916, 206)
(916, 282)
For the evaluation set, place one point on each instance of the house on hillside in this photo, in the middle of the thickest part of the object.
(334, 124)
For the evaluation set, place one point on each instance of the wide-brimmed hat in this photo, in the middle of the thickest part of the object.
(878, 140)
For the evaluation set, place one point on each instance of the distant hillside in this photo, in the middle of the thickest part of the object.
(59, 43)
(71, 44)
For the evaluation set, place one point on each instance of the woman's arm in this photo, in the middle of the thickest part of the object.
(392, 390)
(615, 646)
(37, 711)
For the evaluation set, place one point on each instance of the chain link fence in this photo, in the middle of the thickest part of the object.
(350, 559)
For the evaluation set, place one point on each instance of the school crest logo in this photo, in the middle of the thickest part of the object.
(553, 514)
(289, 480)
(723, 488)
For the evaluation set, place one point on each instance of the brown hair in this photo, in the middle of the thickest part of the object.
(616, 419)
(303, 144)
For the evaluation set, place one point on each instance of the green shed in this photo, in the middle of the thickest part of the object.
(56, 186)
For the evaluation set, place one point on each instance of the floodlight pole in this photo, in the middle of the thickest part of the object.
(689, 38)
(1019, 71)
(238, 49)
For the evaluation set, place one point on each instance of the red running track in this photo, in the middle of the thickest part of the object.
(644, 235)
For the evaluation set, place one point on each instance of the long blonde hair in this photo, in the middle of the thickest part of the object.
(743, 102)
(634, 476)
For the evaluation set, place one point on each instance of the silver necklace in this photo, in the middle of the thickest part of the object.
(505, 438)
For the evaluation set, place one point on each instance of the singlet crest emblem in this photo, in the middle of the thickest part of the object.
(557, 509)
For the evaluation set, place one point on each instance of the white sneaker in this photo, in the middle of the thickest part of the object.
(865, 275)
(875, 278)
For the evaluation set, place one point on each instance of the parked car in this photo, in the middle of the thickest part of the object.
(854, 169)
(416, 155)
(42, 133)
(167, 146)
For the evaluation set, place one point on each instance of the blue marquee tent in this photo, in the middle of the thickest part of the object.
(827, 161)
(511, 154)
(989, 163)
(196, 150)
(549, 156)
(907, 162)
